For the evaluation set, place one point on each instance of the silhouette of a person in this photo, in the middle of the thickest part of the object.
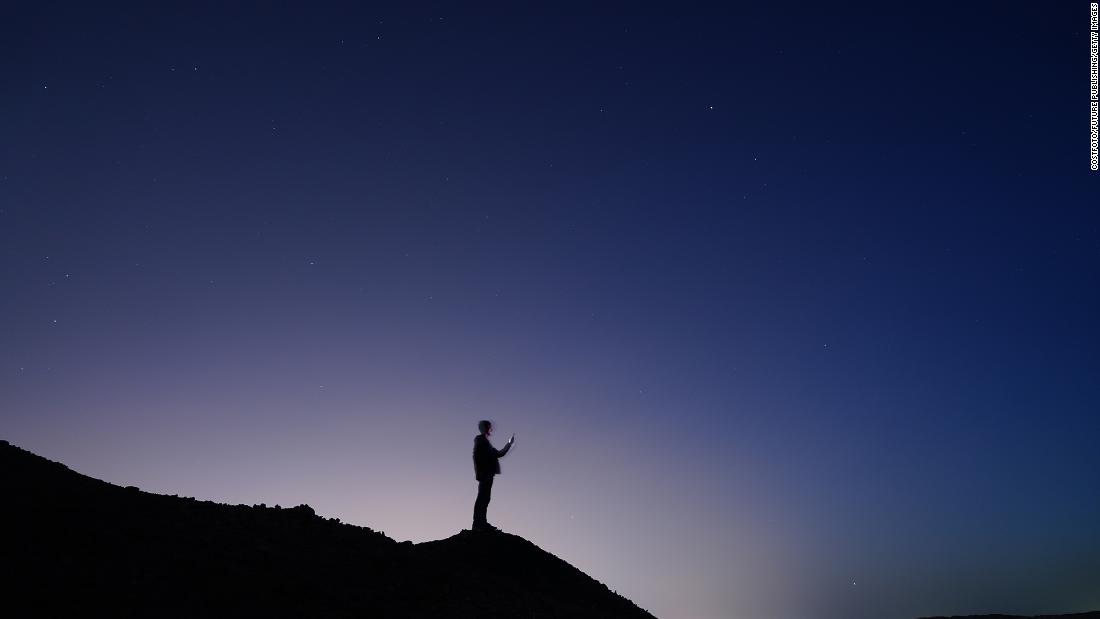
(486, 466)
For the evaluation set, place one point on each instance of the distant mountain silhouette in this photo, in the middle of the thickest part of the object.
(1089, 615)
(77, 546)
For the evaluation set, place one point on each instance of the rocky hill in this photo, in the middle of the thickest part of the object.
(77, 546)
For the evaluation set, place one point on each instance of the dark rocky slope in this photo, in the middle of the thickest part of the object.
(77, 546)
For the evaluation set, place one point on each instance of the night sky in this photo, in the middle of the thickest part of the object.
(793, 310)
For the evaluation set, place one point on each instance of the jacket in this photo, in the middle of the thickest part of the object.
(487, 458)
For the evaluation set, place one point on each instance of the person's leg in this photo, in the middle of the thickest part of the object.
(481, 505)
(477, 504)
(488, 497)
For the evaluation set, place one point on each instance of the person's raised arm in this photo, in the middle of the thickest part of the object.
(507, 446)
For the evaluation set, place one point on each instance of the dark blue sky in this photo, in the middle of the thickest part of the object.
(792, 308)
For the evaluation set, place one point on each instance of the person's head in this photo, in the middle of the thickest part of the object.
(485, 427)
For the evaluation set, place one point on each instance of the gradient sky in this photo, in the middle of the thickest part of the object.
(793, 309)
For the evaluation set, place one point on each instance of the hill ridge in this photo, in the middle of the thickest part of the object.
(79, 544)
